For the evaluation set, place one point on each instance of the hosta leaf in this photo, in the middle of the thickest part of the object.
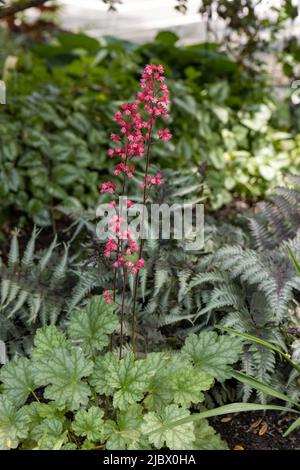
(181, 437)
(47, 339)
(187, 385)
(207, 438)
(13, 425)
(127, 379)
(17, 380)
(89, 423)
(125, 433)
(63, 376)
(213, 353)
(92, 325)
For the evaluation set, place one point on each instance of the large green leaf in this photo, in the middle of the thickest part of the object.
(89, 423)
(62, 376)
(156, 426)
(127, 379)
(92, 325)
(125, 432)
(17, 378)
(207, 438)
(213, 353)
(174, 380)
(13, 425)
(159, 392)
(187, 384)
(47, 339)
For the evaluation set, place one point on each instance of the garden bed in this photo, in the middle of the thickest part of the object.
(257, 431)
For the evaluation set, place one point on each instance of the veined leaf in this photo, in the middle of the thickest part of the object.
(92, 325)
(207, 438)
(13, 425)
(89, 423)
(17, 380)
(156, 426)
(62, 376)
(212, 353)
(187, 384)
(126, 379)
(125, 432)
(47, 339)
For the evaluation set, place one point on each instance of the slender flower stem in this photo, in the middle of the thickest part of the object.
(123, 312)
(118, 252)
(136, 279)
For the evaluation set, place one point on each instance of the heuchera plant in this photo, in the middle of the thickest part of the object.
(137, 133)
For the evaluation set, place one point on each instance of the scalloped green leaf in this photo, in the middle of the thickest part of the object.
(17, 377)
(63, 376)
(92, 325)
(89, 423)
(126, 379)
(187, 385)
(213, 353)
(14, 425)
(207, 438)
(47, 339)
(125, 432)
(180, 437)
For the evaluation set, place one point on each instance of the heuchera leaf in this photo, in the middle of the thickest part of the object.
(175, 380)
(63, 377)
(36, 413)
(126, 379)
(125, 433)
(181, 437)
(207, 438)
(17, 380)
(92, 325)
(47, 339)
(159, 392)
(187, 385)
(13, 425)
(213, 353)
(89, 423)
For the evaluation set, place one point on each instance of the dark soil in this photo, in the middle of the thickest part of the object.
(257, 431)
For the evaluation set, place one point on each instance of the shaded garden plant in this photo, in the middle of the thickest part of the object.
(137, 133)
(56, 399)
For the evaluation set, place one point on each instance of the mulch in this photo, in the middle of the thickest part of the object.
(257, 431)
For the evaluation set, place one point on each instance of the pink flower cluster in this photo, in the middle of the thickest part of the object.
(156, 180)
(107, 296)
(135, 121)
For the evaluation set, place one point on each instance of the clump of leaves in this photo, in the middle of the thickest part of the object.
(56, 399)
